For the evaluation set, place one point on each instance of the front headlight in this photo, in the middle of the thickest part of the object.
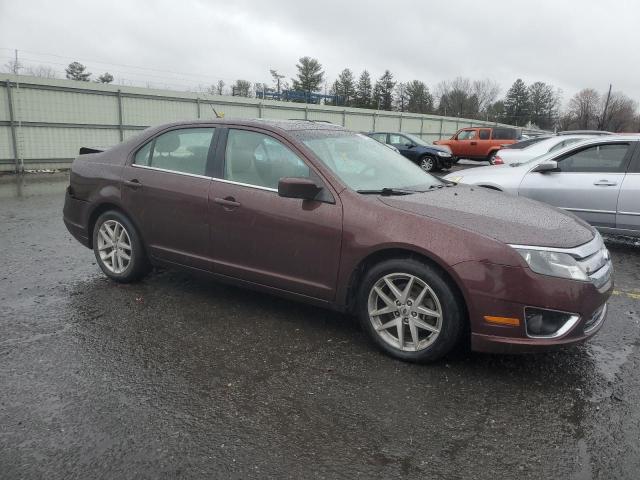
(455, 179)
(443, 154)
(556, 264)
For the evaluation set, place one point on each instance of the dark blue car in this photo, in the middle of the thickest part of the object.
(428, 157)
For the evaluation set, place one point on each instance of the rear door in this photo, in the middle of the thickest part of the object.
(258, 236)
(628, 212)
(587, 184)
(166, 189)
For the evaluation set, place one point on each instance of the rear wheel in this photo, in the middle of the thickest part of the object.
(410, 310)
(118, 248)
(491, 157)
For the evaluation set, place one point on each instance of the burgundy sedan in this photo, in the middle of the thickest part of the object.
(317, 213)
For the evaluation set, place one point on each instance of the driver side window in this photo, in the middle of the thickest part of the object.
(608, 158)
(395, 139)
(467, 135)
(257, 159)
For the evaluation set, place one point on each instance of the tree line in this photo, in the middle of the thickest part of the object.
(537, 105)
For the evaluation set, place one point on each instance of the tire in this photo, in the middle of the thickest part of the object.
(440, 308)
(427, 163)
(114, 227)
(492, 156)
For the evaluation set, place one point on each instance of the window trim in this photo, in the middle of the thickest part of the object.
(624, 166)
(211, 159)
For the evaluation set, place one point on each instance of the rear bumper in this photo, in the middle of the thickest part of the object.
(75, 216)
(505, 291)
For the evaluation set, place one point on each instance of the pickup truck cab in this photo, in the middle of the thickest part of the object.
(479, 143)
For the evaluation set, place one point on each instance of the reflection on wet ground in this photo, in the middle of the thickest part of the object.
(180, 376)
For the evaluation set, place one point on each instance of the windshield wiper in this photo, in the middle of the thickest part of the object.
(388, 191)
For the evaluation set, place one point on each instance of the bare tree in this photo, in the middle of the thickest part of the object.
(621, 113)
(584, 107)
(277, 79)
(486, 91)
(41, 71)
(242, 88)
(457, 98)
(13, 66)
(220, 87)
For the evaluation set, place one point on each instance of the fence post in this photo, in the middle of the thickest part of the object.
(441, 123)
(375, 116)
(260, 108)
(120, 129)
(12, 123)
(422, 127)
(306, 112)
(400, 121)
(344, 117)
(198, 108)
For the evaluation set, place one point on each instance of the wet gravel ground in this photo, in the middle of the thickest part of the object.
(182, 377)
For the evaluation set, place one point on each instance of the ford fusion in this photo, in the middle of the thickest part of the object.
(317, 213)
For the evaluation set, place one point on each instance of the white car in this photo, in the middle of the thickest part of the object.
(506, 156)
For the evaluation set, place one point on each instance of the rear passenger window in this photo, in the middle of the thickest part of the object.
(185, 151)
(142, 157)
(597, 159)
(257, 159)
(485, 134)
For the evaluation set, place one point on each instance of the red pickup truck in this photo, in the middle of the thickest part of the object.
(479, 143)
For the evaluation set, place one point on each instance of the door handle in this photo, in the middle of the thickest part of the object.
(605, 183)
(134, 184)
(474, 143)
(229, 203)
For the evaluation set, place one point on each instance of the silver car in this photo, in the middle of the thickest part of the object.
(518, 155)
(597, 179)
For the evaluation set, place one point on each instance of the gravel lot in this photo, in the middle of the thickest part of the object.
(182, 377)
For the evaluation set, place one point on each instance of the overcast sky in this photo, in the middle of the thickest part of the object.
(570, 44)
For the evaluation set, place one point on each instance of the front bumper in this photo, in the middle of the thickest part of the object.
(505, 291)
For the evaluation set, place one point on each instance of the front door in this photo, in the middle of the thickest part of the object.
(467, 144)
(404, 145)
(628, 215)
(166, 189)
(587, 183)
(256, 235)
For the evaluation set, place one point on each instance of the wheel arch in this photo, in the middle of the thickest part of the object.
(105, 207)
(400, 253)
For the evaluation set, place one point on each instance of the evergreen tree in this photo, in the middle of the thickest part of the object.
(106, 77)
(543, 104)
(419, 99)
(346, 87)
(310, 75)
(363, 91)
(76, 71)
(383, 92)
(516, 103)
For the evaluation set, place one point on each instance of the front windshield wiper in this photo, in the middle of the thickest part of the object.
(388, 191)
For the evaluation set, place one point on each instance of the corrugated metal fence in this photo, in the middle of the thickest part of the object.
(43, 123)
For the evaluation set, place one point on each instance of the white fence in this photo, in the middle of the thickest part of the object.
(43, 123)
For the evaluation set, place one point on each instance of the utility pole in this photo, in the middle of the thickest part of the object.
(604, 112)
(16, 63)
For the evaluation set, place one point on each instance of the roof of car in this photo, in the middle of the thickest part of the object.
(286, 125)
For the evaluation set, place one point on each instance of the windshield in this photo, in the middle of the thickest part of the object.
(362, 163)
(417, 140)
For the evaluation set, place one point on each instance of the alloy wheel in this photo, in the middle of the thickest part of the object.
(426, 164)
(405, 312)
(114, 246)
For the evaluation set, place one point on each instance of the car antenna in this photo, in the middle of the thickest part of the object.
(215, 112)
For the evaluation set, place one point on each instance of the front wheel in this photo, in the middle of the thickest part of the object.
(427, 164)
(410, 310)
(491, 157)
(118, 248)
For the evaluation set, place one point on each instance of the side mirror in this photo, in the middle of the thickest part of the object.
(409, 145)
(298, 187)
(547, 167)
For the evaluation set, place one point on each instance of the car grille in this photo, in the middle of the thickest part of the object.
(595, 260)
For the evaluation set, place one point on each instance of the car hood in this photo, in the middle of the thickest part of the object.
(492, 174)
(508, 219)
